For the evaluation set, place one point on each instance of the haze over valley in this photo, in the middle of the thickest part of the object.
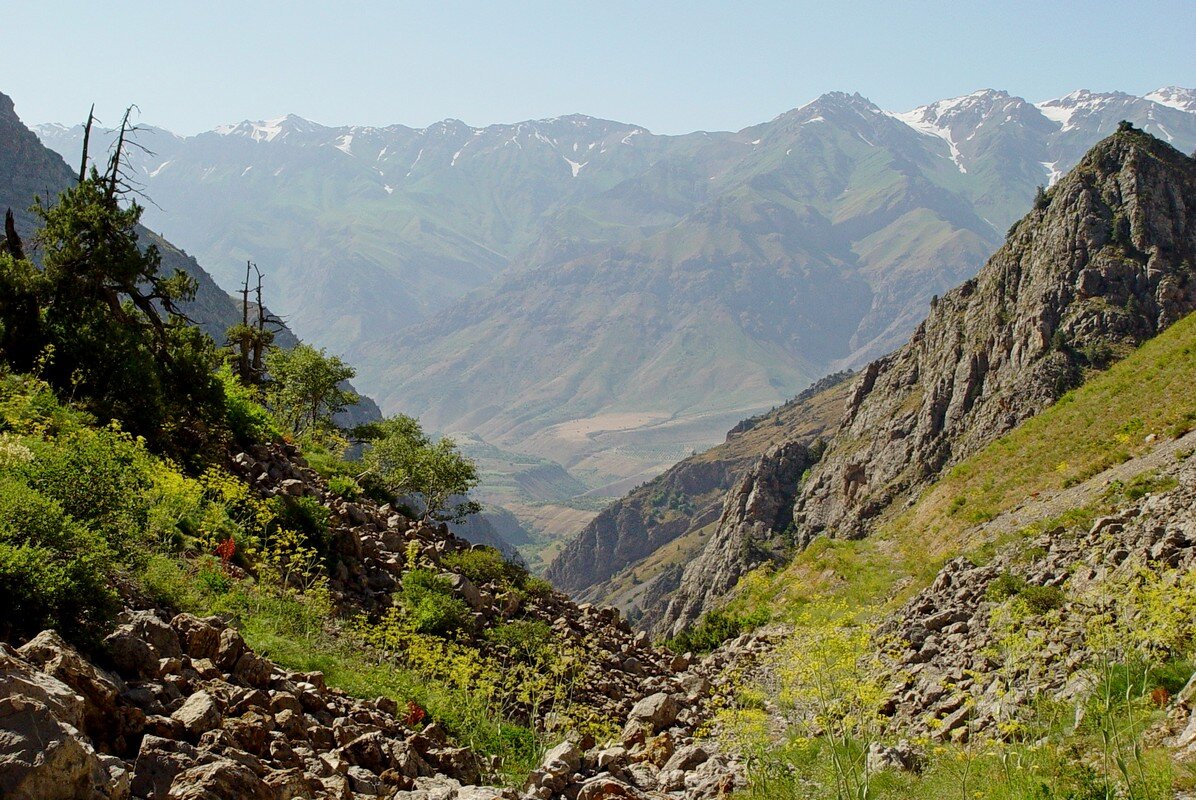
(585, 303)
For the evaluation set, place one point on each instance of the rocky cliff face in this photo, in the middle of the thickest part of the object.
(1104, 262)
(641, 523)
(752, 531)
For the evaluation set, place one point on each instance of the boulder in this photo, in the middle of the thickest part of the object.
(218, 780)
(44, 758)
(200, 638)
(199, 714)
(98, 688)
(657, 711)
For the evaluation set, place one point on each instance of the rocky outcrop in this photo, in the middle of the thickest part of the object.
(755, 528)
(681, 504)
(1105, 262)
(639, 524)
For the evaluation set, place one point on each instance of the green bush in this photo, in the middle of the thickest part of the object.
(247, 418)
(483, 565)
(306, 516)
(537, 587)
(99, 477)
(1005, 585)
(430, 604)
(344, 486)
(1041, 599)
(54, 572)
(526, 639)
(713, 629)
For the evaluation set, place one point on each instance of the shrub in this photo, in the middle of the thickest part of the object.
(713, 629)
(248, 420)
(429, 603)
(1041, 599)
(54, 571)
(534, 586)
(344, 486)
(98, 477)
(1005, 585)
(483, 565)
(527, 640)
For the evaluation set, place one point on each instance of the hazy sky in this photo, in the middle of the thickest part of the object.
(670, 66)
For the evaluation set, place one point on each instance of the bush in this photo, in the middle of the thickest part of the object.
(537, 587)
(429, 603)
(1041, 599)
(1005, 585)
(54, 571)
(99, 477)
(483, 565)
(344, 486)
(248, 420)
(527, 640)
(713, 629)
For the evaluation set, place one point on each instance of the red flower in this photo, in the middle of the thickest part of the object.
(415, 714)
(226, 550)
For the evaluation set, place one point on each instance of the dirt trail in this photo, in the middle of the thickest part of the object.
(1048, 506)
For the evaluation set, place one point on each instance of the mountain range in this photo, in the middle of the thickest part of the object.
(1103, 262)
(588, 292)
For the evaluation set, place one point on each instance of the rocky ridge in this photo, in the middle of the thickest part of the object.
(1103, 262)
(679, 506)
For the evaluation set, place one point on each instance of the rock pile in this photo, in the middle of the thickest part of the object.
(188, 710)
(948, 658)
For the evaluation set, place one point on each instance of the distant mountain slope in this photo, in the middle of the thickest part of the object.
(607, 259)
(29, 169)
(1105, 261)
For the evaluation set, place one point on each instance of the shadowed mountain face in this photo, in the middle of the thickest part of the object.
(632, 295)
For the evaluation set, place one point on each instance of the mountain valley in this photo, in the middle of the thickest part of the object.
(589, 293)
(845, 456)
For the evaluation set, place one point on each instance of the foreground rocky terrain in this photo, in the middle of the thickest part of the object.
(174, 706)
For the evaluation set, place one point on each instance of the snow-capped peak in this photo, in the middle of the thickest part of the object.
(268, 130)
(1174, 97)
(956, 119)
(1062, 109)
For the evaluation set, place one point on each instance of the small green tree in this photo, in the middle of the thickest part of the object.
(409, 464)
(305, 388)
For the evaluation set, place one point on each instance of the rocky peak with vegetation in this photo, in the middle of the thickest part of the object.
(1103, 262)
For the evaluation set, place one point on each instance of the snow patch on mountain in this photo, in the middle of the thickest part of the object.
(1176, 97)
(920, 120)
(576, 167)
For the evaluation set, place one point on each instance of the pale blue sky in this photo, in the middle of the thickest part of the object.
(671, 66)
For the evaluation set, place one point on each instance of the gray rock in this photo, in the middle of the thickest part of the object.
(199, 714)
(43, 758)
(657, 711)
